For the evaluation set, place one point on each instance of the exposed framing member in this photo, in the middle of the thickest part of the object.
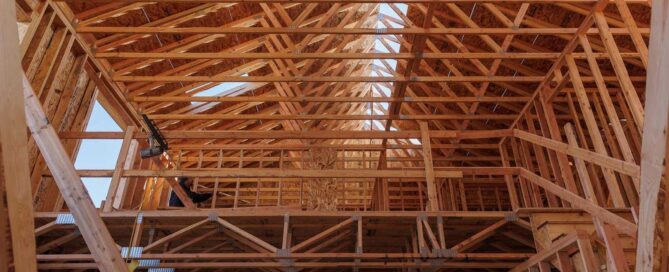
(89, 223)
(15, 176)
(653, 150)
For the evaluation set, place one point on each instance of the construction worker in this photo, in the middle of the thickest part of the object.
(185, 184)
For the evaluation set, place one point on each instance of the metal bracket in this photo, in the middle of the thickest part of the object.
(435, 264)
(450, 253)
(418, 55)
(284, 253)
(131, 252)
(511, 217)
(65, 219)
(161, 270)
(424, 251)
(149, 262)
(140, 218)
(212, 216)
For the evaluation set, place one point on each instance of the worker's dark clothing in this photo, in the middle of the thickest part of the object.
(195, 197)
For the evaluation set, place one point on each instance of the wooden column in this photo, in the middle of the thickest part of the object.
(651, 253)
(95, 233)
(5, 240)
(112, 193)
(15, 176)
(433, 201)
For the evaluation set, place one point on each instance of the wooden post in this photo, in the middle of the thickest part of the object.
(651, 256)
(285, 241)
(112, 193)
(15, 176)
(510, 185)
(433, 201)
(590, 263)
(5, 241)
(93, 230)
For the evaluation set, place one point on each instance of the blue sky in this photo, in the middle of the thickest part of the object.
(98, 154)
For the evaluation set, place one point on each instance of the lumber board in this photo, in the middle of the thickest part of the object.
(650, 255)
(92, 229)
(15, 176)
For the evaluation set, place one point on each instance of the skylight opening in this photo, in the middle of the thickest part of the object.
(222, 89)
(380, 43)
(389, 16)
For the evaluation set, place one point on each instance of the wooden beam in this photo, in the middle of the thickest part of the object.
(331, 99)
(292, 173)
(547, 253)
(371, 79)
(652, 252)
(93, 230)
(421, 117)
(590, 260)
(486, 171)
(544, 92)
(576, 201)
(15, 176)
(463, 55)
(609, 235)
(247, 235)
(631, 24)
(610, 108)
(594, 132)
(355, 1)
(175, 234)
(347, 147)
(479, 236)
(331, 79)
(626, 85)
(587, 155)
(336, 134)
(334, 265)
(323, 234)
(279, 213)
(432, 197)
(345, 31)
(510, 183)
(306, 255)
(112, 193)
